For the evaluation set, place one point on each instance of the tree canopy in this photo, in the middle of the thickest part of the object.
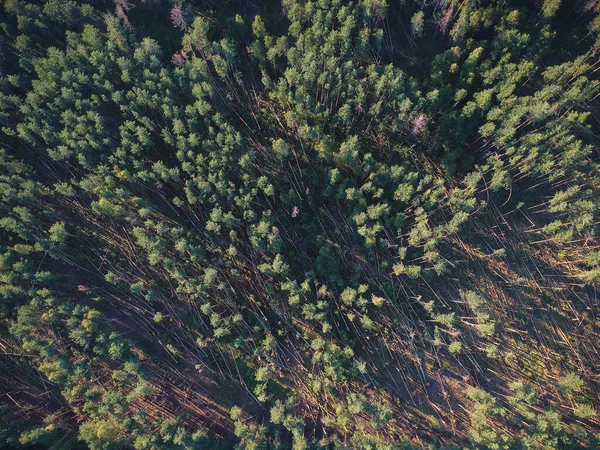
(306, 224)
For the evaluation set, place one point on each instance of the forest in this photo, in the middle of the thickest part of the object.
(300, 224)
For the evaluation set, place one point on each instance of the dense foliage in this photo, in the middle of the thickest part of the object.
(339, 224)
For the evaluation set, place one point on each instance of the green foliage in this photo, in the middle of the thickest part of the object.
(455, 347)
(325, 212)
(571, 383)
(584, 411)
